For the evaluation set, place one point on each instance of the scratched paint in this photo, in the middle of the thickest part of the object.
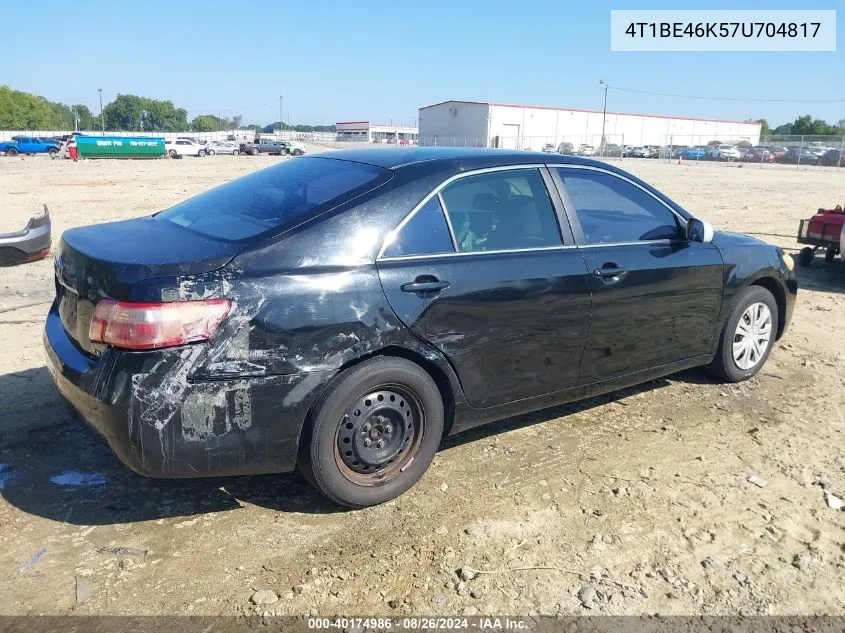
(77, 479)
(5, 475)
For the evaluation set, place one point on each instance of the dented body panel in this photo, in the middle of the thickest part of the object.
(309, 299)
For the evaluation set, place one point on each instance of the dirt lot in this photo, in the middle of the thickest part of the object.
(638, 502)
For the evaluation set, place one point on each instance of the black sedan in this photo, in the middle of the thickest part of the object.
(342, 313)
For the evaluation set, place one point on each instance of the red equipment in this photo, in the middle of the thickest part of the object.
(821, 231)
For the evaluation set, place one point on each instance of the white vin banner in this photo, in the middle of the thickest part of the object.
(723, 30)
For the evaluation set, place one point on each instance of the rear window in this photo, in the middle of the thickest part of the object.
(274, 197)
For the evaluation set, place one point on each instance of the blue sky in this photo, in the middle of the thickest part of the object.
(381, 60)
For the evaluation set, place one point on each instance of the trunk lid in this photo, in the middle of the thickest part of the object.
(131, 260)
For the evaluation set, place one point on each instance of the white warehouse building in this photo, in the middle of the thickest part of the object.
(511, 126)
(367, 132)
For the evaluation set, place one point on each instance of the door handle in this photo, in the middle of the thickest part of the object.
(610, 274)
(425, 286)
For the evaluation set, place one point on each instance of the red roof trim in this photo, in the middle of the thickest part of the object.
(351, 122)
(657, 116)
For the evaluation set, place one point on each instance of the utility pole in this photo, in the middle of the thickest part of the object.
(102, 116)
(281, 120)
(604, 111)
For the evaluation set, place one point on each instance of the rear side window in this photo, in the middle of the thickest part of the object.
(611, 210)
(275, 197)
(501, 210)
(426, 233)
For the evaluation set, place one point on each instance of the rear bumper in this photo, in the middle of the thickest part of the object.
(160, 423)
(32, 243)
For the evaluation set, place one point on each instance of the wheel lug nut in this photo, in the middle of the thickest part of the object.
(367, 426)
(388, 429)
(367, 441)
(380, 444)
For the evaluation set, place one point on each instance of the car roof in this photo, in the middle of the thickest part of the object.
(459, 158)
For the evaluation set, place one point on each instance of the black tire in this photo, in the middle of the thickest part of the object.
(387, 400)
(11, 152)
(297, 152)
(236, 152)
(724, 366)
(806, 256)
(172, 153)
(52, 152)
(209, 152)
(254, 151)
(284, 151)
(830, 254)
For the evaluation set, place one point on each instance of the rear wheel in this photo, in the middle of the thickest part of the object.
(210, 152)
(297, 152)
(254, 151)
(235, 152)
(806, 255)
(12, 151)
(373, 433)
(748, 336)
(830, 254)
(172, 153)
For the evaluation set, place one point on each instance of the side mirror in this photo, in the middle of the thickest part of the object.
(699, 231)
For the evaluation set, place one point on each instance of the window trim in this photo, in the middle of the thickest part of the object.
(541, 167)
(388, 242)
(572, 216)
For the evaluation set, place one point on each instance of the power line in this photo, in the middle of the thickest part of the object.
(710, 98)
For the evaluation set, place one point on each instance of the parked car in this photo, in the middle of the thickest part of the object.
(221, 147)
(725, 152)
(759, 155)
(263, 146)
(638, 152)
(800, 155)
(834, 157)
(183, 147)
(610, 150)
(30, 145)
(694, 153)
(549, 148)
(586, 150)
(778, 152)
(197, 352)
(566, 149)
(30, 244)
(293, 147)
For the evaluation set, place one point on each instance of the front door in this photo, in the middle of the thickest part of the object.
(656, 295)
(497, 290)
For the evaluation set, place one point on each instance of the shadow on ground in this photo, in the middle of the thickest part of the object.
(821, 275)
(57, 469)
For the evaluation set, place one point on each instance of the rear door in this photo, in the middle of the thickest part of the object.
(482, 271)
(656, 295)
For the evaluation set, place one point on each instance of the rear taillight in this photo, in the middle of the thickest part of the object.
(153, 325)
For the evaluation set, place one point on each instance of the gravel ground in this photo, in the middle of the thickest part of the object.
(636, 502)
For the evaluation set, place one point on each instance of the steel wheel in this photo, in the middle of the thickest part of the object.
(379, 435)
(752, 336)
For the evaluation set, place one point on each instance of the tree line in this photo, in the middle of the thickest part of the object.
(131, 113)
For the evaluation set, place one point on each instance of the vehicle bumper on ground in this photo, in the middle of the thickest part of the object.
(161, 423)
(30, 244)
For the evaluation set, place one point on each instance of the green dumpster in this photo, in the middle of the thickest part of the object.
(119, 146)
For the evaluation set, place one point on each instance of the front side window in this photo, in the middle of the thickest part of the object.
(426, 233)
(501, 210)
(611, 210)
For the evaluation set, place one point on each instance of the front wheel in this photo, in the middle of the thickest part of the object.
(210, 152)
(748, 336)
(297, 152)
(373, 433)
(254, 151)
(53, 152)
(236, 152)
(172, 153)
